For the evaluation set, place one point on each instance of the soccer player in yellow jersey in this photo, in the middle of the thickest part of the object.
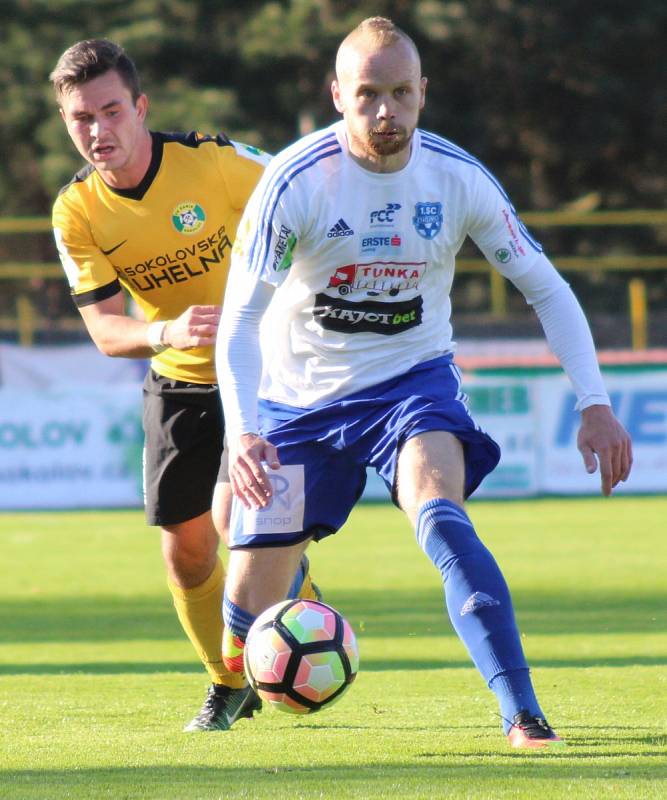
(155, 214)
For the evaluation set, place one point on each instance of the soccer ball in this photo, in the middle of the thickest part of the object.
(300, 656)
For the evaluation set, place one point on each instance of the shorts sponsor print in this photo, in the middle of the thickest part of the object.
(285, 511)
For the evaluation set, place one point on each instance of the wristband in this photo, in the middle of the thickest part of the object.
(154, 334)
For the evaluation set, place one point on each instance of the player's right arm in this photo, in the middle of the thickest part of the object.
(98, 295)
(261, 259)
(116, 333)
(238, 362)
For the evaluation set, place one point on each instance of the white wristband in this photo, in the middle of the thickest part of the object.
(154, 334)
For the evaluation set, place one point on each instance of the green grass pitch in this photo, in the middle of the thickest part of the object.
(97, 680)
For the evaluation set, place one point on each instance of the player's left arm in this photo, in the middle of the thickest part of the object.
(241, 166)
(602, 435)
(509, 248)
(601, 438)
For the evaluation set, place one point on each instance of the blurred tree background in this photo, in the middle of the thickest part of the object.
(565, 102)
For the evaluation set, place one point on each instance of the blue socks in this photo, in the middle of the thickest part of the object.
(479, 604)
(299, 577)
(238, 621)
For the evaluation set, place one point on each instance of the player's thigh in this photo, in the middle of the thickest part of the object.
(430, 465)
(183, 443)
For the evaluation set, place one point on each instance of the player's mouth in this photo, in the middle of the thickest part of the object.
(386, 134)
(102, 152)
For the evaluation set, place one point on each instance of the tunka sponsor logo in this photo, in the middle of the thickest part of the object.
(377, 277)
(341, 228)
(179, 266)
(335, 314)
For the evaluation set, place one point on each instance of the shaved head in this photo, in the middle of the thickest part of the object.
(373, 34)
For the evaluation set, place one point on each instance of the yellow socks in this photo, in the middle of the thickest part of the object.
(199, 611)
(309, 590)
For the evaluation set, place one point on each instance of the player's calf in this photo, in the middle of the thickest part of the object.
(238, 621)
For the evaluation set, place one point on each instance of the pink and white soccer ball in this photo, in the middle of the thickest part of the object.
(301, 656)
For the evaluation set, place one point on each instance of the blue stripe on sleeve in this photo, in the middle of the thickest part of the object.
(302, 160)
(446, 148)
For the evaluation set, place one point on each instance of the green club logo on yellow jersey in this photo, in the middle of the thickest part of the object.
(188, 217)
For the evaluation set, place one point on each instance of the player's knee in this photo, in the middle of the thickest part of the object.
(445, 533)
(221, 510)
(189, 560)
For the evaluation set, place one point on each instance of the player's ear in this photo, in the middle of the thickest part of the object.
(142, 106)
(337, 100)
(422, 92)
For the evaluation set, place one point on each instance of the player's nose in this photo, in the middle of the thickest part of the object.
(385, 109)
(95, 129)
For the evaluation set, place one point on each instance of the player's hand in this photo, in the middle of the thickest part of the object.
(196, 327)
(601, 435)
(247, 475)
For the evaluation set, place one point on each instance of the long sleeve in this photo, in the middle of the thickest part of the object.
(238, 356)
(566, 329)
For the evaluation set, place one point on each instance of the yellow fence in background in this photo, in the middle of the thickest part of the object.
(26, 321)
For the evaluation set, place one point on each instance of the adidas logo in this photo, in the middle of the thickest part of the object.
(341, 228)
(476, 601)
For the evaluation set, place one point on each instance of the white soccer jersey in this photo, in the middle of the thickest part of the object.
(364, 263)
(367, 260)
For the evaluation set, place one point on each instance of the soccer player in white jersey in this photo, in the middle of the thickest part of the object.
(353, 232)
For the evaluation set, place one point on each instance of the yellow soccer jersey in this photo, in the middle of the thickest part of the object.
(168, 241)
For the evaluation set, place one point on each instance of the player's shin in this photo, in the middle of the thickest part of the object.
(303, 585)
(237, 625)
(238, 621)
(479, 604)
(199, 612)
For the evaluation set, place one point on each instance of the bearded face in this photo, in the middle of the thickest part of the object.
(380, 94)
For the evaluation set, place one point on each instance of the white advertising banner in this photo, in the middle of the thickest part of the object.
(76, 442)
(71, 448)
(506, 408)
(639, 399)
(532, 417)
(72, 365)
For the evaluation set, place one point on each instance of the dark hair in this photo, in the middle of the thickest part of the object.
(89, 59)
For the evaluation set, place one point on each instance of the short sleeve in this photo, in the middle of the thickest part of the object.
(268, 233)
(241, 166)
(495, 227)
(90, 275)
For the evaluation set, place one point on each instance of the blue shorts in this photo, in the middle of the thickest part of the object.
(324, 452)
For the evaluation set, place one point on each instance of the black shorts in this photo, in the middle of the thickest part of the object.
(184, 431)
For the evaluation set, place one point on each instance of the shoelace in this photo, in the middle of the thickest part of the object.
(533, 727)
(211, 698)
